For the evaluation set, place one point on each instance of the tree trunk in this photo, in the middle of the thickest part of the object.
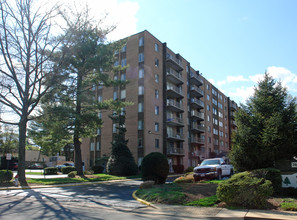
(22, 151)
(76, 135)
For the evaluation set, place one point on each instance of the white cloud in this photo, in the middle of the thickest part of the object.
(231, 79)
(241, 94)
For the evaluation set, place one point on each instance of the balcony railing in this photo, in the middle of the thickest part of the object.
(196, 91)
(198, 103)
(176, 62)
(197, 140)
(233, 106)
(174, 91)
(175, 121)
(175, 136)
(194, 78)
(199, 115)
(174, 76)
(175, 151)
(174, 105)
(196, 127)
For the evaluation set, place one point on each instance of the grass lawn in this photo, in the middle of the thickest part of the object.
(93, 178)
(34, 173)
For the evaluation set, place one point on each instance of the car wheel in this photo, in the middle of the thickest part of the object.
(219, 176)
(196, 179)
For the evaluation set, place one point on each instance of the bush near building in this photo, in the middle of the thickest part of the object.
(5, 176)
(51, 171)
(68, 169)
(155, 167)
(245, 190)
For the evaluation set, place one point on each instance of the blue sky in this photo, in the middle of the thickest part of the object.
(231, 42)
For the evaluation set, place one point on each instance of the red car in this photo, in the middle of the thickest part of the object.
(13, 166)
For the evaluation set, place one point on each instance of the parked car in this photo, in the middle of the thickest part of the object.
(13, 166)
(212, 169)
(64, 165)
(36, 166)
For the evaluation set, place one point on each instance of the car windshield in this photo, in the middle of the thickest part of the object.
(210, 162)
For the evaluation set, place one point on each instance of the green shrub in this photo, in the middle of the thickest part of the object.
(155, 167)
(51, 171)
(88, 172)
(189, 169)
(72, 174)
(68, 169)
(97, 169)
(271, 174)
(243, 189)
(5, 176)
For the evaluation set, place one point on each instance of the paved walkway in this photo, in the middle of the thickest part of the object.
(188, 212)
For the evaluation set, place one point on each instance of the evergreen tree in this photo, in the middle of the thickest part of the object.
(266, 127)
(121, 161)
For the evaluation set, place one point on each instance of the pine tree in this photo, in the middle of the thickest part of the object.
(121, 161)
(266, 128)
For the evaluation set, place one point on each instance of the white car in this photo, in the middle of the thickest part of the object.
(64, 165)
(214, 168)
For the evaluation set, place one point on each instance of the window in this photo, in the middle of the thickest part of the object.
(215, 131)
(156, 143)
(140, 90)
(98, 146)
(140, 57)
(141, 73)
(140, 107)
(208, 108)
(156, 62)
(209, 129)
(156, 78)
(140, 124)
(220, 124)
(100, 115)
(124, 62)
(141, 41)
(207, 86)
(123, 111)
(99, 131)
(215, 102)
(209, 140)
(140, 143)
(114, 128)
(214, 111)
(116, 63)
(207, 97)
(214, 92)
(208, 118)
(220, 114)
(123, 93)
(124, 48)
(157, 94)
(156, 110)
(115, 77)
(99, 98)
(115, 95)
(156, 126)
(215, 121)
(157, 47)
(92, 147)
(123, 76)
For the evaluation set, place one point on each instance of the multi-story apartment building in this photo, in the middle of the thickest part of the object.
(176, 111)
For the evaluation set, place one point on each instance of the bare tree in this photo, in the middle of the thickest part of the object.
(25, 71)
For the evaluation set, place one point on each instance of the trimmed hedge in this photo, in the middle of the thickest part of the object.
(243, 189)
(272, 174)
(97, 169)
(66, 170)
(72, 174)
(155, 167)
(5, 176)
(51, 171)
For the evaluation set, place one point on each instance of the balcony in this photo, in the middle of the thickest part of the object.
(197, 103)
(232, 115)
(195, 91)
(175, 136)
(197, 115)
(197, 128)
(174, 91)
(178, 122)
(175, 151)
(194, 154)
(195, 79)
(174, 106)
(233, 123)
(174, 62)
(174, 76)
(197, 141)
(233, 106)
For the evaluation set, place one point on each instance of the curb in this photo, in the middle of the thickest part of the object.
(142, 201)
